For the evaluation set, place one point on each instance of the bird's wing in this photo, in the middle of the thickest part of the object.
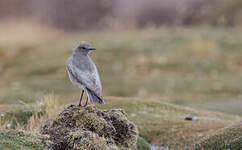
(89, 79)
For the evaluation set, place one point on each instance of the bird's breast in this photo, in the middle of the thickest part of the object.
(84, 63)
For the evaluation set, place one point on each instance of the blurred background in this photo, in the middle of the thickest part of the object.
(103, 14)
(162, 52)
(186, 52)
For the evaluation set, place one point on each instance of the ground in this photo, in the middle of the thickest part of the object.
(229, 137)
(158, 122)
(16, 140)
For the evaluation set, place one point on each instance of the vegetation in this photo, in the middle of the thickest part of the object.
(90, 128)
(226, 138)
(158, 122)
(164, 124)
(142, 144)
(197, 67)
(16, 140)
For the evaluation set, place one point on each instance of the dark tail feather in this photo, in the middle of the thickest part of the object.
(94, 98)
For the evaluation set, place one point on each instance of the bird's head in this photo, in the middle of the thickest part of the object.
(84, 48)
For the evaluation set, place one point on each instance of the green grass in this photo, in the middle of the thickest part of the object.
(158, 122)
(142, 144)
(196, 67)
(192, 67)
(226, 138)
(164, 124)
(14, 140)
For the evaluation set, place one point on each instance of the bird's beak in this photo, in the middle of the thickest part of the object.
(90, 48)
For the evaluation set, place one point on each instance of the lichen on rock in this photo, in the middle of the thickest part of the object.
(90, 128)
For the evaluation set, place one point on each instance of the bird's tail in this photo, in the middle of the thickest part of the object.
(94, 98)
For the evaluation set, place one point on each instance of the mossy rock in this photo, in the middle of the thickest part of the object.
(90, 128)
(226, 138)
(90, 140)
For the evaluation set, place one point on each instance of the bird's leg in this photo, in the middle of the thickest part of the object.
(86, 103)
(80, 103)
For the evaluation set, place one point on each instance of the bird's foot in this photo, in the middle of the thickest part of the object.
(85, 105)
(80, 105)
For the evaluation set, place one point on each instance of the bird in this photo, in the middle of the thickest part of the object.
(83, 73)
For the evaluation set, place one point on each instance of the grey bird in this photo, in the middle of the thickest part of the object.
(83, 73)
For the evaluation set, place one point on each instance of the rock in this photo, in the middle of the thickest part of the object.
(193, 118)
(81, 128)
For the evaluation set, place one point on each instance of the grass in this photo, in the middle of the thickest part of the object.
(193, 67)
(158, 122)
(196, 67)
(143, 144)
(13, 140)
(16, 140)
(164, 124)
(226, 138)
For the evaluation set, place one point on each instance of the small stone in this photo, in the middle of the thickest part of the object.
(191, 118)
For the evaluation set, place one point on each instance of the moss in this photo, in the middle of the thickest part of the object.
(142, 144)
(90, 121)
(90, 128)
(126, 132)
(226, 138)
(90, 140)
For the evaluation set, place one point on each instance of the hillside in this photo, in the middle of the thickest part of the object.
(229, 137)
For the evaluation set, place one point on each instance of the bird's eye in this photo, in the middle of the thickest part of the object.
(80, 47)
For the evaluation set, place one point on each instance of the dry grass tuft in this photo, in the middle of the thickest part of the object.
(47, 109)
